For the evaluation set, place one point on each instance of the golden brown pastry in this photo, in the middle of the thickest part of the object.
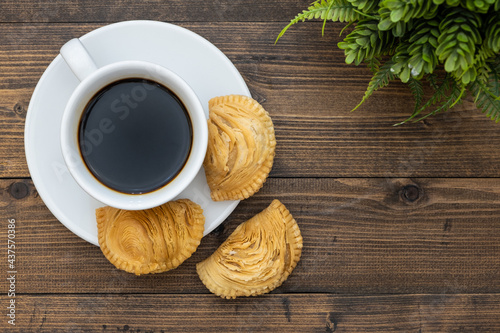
(153, 240)
(257, 257)
(241, 146)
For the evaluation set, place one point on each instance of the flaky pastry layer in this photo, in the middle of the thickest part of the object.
(153, 240)
(241, 147)
(257, 257)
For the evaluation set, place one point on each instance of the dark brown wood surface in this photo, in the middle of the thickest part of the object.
(401, 225)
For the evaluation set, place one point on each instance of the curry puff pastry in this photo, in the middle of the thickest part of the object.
(241, 146)
(257, 257)
(153, 240)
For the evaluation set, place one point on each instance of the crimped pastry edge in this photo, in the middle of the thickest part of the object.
(191, 245)
(292, 226)
(260, 177)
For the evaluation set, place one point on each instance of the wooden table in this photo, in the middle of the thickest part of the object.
(401, 225)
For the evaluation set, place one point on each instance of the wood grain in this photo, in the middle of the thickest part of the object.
(400, 224)
(172, 10)
(271, 313)
(308, 94)
(361, 236)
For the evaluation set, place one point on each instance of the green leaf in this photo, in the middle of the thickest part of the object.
(405, 74)
(485, 101)
(492, 34)
(451, 63)
(440, 93)
(385, 24)
(454, 96)
(487, 94)
(350, 58)
(462, 37)
(379, 80)
(374, 64)
(365, 6)
(337, 10)
(457, 41)
(358, 50)
(396, 15)
(417, 90)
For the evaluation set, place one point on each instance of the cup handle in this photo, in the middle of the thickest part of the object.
(78, 59)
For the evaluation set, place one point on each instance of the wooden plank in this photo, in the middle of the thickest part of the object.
(172, 10)
(13, 107)
(361, 236)
(29, 48)
(308, 91)
(271, 313)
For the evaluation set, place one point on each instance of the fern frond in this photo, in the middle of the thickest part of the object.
(374, 64)
(422, 48)
(379, 80)
(398, 28)
(440, 93)
(366, 6)
(492, 34)
(401, 59)
(487, 95)
(335, 10)
(485, 101)
(459, 35)
(365, 42)
(417, 90)
(481, 63)
(394, 11)
(454, 96)
(495, 75)
(398, 15)
(439, 90)
(478, 6)
(342, 11)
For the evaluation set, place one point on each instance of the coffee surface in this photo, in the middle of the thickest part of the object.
(135, 136)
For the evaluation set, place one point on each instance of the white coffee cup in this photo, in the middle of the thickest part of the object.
(92, 80)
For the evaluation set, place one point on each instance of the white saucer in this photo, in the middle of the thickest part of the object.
(204, 67)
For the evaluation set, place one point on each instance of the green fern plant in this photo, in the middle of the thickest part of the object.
(411, 40)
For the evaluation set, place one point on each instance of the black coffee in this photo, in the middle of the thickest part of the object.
(135, 136)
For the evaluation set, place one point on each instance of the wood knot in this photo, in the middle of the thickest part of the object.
(19, 190)
(331, 322)
(410, 193)
(18, 108)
